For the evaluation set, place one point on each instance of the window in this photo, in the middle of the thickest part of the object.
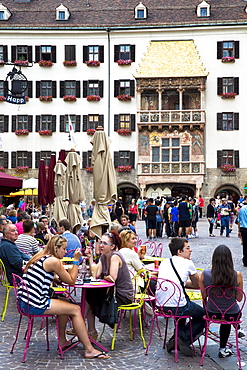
(92, 87)
(67, 122)
(124, 158)
(227, 156)
(228, 85)
(62, 13)
(4, 13)
(1, 14)
(124, 52)
(203, 12)
(22, 122)
(21, 158)
(4, 53)
(45, 52)
(87, 159)
(155, 154)
(93, 52)
(171, 150)
(20, 52)
(140, 11)
(70, 88)
(126, 87)
(4, 159)
(203, 9)
(227, 121)
(70, 52)
(3, 88)
(45, 155)
(124, 121)
(4, 123)
(92, 121)
(46, 122)
(75, 120)
(46, 88)
(227, 49)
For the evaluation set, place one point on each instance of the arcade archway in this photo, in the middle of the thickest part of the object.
(228, 189)
(127, 190)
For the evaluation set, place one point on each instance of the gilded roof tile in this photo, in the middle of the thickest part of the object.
(171, 59)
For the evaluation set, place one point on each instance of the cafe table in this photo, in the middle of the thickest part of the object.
(148, 259)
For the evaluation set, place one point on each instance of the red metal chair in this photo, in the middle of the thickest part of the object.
(222, 293)
(169, 289)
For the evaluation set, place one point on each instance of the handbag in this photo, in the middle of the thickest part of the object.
(109, 311)
(180, 280)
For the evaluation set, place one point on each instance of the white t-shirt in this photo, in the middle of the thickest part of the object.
(185, 268)
(131, 257)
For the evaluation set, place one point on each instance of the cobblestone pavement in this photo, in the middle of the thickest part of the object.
(127, 354)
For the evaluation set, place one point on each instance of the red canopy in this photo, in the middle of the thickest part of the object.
(9, 183)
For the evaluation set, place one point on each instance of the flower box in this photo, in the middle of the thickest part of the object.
(2, 63)
(228, 60)
(70, 63)
(228, 168)
(23, 63)
(69, 98)
(228, 95)
(2, 98)
(92, 63)
(93, 98)
(45, 63)
(123, 168)
(124, 97)
(89, 169)
(27, 98)
(22, 168)
(45, 98)
(91, 131)
(122, 62)
(45, 132)
(1, 168)
(22, 132)
(124, 131)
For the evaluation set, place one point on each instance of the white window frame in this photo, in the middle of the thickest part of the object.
(6, 13)
(202, 5)
(142, 7)
(62, 9)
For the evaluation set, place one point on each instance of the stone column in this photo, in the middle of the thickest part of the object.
(202, 92)
(180, 90)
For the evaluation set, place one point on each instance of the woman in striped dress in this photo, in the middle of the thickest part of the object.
(38, 276)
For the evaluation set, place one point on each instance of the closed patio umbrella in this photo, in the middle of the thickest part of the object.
(105, 188)
(73, 189)
(42, 184)
(60, 206)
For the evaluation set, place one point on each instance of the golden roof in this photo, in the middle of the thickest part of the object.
(171, 59)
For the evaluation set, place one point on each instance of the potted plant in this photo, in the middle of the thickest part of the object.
(228, 168)
(89, 169)
(228, 59)
(124, 131)
(70, 63)
(45, 132)
(230, 95)
(21, 168)
(2, 63)
(123, 62)
(124, 97)
(91, 131)
(92, 63)
(45, 63)
(93, 98)
(69, 98)
(22, 132)
(123, 168)
(45, 98)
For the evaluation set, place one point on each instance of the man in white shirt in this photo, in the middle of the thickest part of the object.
(181, 252)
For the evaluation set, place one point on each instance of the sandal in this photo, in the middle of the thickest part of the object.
(211, 235)
(70, 331)
(97, 357)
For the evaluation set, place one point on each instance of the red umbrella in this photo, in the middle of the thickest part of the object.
(9, 183)
(42, 183)
(50, 195)
(62, 156)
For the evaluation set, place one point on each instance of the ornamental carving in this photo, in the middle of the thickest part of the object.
(170, 83)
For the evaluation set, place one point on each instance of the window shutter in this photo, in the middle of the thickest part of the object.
(5, 87)
(219, 49)
(6, 160)
(13, 53)
(53, 54)
(30, 54)
(219, 158)
(84, 128)
(85, 85)
(78, 89)
(29, 91)
(37, 89)
(13, 123)
(236, 85)
(236, 121)
(132, 88)
(54, 89)
(37, 159)
(62, 89)
(116, 159)
(29, 159)
(236, 49)
(13, 159)
(101, 120)
(116, 88)
(85, 53)
(53, 123)
(62, 124)
(236, 158)
(37, 54)
(78, 124)
(116, 52)
(84, 159)
(132, 159)
(101, 54)
(133, 52)
(69, 52)
(133, 122)
(219, 86)
(116, 122)
(30, 123)
(37, 125)
(5, 53)
(101, 89)
(6, 124)
(219, 121)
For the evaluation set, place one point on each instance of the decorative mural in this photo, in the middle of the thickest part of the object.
(143, 144)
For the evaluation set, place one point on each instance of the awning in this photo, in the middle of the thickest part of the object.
(9, 183)
(23, 192)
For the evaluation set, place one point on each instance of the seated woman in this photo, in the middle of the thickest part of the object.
(132, 259)
(111, 267)
(38, 276)
(223, 273)
(26, 241)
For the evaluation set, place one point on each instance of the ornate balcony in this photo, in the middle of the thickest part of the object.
(195, 168)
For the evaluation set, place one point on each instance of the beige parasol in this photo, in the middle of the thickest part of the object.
(105, 188)
(73, 189)
(60, 207)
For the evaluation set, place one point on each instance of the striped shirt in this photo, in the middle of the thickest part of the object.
(27, 244)
(38, 282)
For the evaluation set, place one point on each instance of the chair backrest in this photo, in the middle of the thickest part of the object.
(166, 293)
(3, 275)
(153, 249)
(222, 300)
(20, 287)
(141, 282)
(138, 241)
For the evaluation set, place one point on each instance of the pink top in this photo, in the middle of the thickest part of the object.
(19, 226)
(24, 206)
(133, 209)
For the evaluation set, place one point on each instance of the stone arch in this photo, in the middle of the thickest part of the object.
(228, 189)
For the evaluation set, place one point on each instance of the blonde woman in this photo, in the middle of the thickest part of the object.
(127, 250)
